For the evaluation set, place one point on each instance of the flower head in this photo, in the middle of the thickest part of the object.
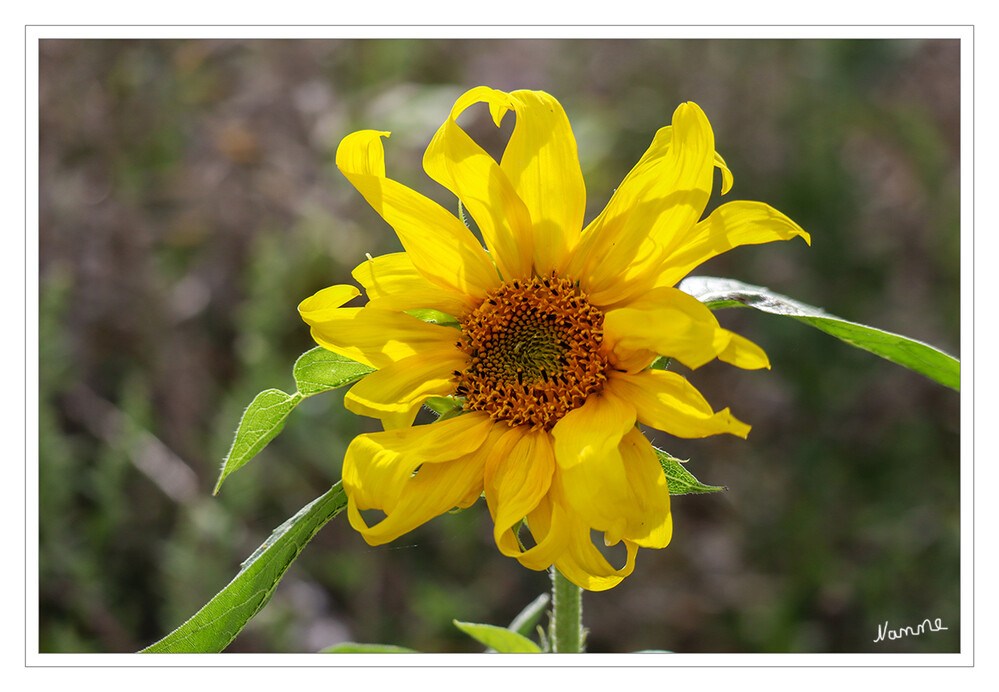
(558, 327)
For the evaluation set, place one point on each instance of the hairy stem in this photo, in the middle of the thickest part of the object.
(567, 615)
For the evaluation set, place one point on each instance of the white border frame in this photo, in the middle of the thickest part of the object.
(34, 34)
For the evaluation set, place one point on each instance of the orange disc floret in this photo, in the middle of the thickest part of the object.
(533, 352)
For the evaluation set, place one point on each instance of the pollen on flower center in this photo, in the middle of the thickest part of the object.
(534, 352)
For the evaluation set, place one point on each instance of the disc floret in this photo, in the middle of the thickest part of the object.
(534, 352)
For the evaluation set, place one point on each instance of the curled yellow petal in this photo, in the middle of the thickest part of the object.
(518, 475)
(394, 393)
(591, 433)
(326, 302)
(672, 323)
(377, 466)
(584, 566)
(727, 178)
(587, 452)
(369, 335)
(433, 490)
(581, 562)
(624, 494)
(392, 282)
(743, 353)
(730, 225)
(665, 321)
(542, 163)
(563, 538)
(439, 245)
(549, 525)
(650, 523)
(667, 401)
(662, 196)
(455, 161)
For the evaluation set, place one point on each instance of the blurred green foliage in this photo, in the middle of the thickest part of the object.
(189, 202)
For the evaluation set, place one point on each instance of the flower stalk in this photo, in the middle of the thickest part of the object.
(567, 615)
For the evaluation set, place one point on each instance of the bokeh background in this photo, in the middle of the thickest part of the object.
(189, 201)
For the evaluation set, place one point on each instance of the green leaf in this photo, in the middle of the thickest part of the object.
(442, 405)
(214, 627)
(660, 363)
(679, 479)
(319, 370)
(315, 371)
(525, 621)
(435, 317)
(356, 648)
(263, 419)
(925, 359)
(499, 638)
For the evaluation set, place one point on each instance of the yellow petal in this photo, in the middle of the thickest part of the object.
(549, 524)
(394, 393)
(730, 225)
(441, 248)
(377, 466)
(591, 433)
(649, 500)
(563, 537)
(393, 283)
(626, 359)
(369, 335)
(433, 490)
(743, 353)
(623, 494)
(580, 562)
(542, 163)
(666, 321)
(455, 161)
(597, 492)
(727, 178)
(666, 401)
(583, 565)
(663, 195)
(328, 300)
(670, 322)
(518, 474)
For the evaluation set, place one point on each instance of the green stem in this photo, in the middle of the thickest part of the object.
(567, 615)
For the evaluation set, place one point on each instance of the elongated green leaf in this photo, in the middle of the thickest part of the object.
(499, 638)
(525, 621)
(319, 370)
(679, 479)
(315, 372)
(213, 627)
(925, 359)
(528, 618)
(356, 648)
(263, 419)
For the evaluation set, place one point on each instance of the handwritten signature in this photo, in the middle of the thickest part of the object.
(924, 626)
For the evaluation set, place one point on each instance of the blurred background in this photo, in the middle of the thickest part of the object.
(189, 201)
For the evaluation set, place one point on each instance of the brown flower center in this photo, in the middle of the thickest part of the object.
(534, 352)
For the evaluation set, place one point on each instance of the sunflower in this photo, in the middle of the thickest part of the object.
(558, 326)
